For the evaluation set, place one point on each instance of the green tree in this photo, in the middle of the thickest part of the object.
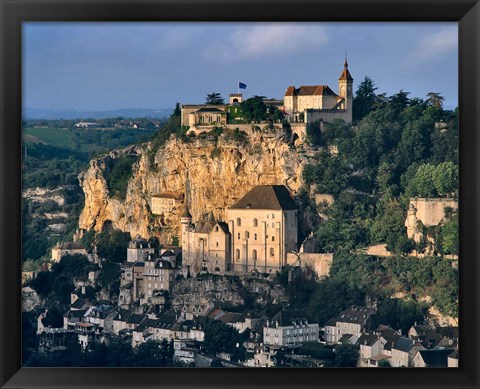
(177, 111)
(435, 99)
(346, 355)
(364, 99)
(449, 236)
(220, 337)
(214, 98)
(112, 244)
(254, 109)
(445, 178)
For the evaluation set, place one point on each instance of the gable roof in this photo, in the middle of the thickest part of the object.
(367, 340)
(355, 314)
(437, 358)
(274, 197)
(310, 90)
(404, 344)
(287, 318)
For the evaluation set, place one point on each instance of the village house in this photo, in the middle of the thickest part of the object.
(158, 274)
(289, 329)
(432, 358)
(403, 351)
(139, 249)
(352, 321)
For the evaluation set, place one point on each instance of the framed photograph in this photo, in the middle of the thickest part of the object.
(231, 194)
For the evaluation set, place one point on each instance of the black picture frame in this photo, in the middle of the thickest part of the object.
(14, 12)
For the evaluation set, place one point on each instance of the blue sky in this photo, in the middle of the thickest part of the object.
(104, 66)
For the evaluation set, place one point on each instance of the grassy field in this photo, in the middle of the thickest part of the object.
(60, 137)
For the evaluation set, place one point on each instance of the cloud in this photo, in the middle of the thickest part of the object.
(434, 46)
(258, 40)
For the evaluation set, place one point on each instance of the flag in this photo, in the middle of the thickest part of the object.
(241, 85)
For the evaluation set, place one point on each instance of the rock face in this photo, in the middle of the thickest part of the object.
(227, 289)
(212, 173)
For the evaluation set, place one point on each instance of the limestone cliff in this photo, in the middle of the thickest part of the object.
(212, 173)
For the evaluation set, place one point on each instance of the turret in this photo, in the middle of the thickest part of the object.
(345, 87)
(186, 217)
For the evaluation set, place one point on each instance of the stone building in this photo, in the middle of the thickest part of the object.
(205, 245)
(67, 248)
(158, 274)
(260, 231)
(263, 227)
(139, 249)
(165, 203)
(320, 102)
(289, 329)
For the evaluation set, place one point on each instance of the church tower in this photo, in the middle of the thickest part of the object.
(345, 88)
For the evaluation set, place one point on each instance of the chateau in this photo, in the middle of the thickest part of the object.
(261, 229)
(300, 105)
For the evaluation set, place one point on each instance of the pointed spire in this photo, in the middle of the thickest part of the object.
(346, 73)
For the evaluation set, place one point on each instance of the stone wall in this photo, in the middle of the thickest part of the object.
(428, 211)
(320, 262)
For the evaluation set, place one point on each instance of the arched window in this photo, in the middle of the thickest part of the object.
(247, 235)
(239, 235)
(255, 236)
(254, 255)
(239, 222)
(237, 253)
(255, 222)
(272, 252)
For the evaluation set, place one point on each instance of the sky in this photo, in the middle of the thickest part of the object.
(107, 66)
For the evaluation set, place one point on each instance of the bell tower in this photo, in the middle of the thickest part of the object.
(345, 87)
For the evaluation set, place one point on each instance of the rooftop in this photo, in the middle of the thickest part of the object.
(274, 197)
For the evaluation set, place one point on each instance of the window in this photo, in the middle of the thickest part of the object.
(273, 225)
(239, 222)
(255, 222)
(237, 253)
(255, 236)
(272, 252)
(273, 216)
(239, 235)
(247, 235)
(273, 239)
(217, 244)
(216, 229)
(254, 255)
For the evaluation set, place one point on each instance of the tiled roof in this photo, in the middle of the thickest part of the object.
(206, 109)
(345, 73)
(310, 90)
(274, 197)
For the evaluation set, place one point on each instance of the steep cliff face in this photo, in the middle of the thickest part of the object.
(212, 173)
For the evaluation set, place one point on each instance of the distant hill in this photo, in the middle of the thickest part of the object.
(51, 114)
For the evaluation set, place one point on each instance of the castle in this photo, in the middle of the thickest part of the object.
(301, 105)
(260, 231)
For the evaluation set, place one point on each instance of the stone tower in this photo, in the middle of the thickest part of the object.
(345, 87)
